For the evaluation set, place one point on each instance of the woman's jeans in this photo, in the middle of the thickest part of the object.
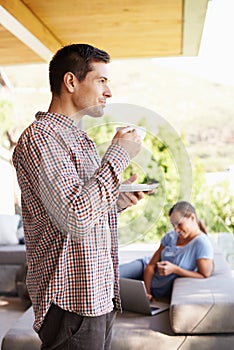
(134, 269)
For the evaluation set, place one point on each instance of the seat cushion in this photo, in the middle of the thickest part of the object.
(22, 336)
(201, 306)
(12, 259)
(12, 254)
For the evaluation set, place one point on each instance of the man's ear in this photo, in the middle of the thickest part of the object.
(70, 81)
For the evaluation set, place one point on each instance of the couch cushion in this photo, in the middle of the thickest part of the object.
(12, 259)
(201, 306)
(144, 339)
(8, 275)
(221, 266)
(12, 254)
(131, 331)
(135, 331)
(22, 336)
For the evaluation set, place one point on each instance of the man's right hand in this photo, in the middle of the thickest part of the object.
(128, 138)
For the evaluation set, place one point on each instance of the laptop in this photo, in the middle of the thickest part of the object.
(134, 298)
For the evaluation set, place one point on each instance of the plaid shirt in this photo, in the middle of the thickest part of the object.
(68, 198)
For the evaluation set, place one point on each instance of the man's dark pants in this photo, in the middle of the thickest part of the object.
(64, 330)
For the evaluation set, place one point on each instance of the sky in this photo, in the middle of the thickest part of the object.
(216, 55)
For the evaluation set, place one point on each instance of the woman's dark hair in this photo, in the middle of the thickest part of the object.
(75, 58)
(186, 209)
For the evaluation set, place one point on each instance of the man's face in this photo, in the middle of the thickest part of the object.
(91, 93)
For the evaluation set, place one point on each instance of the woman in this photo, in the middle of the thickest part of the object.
(185, 251)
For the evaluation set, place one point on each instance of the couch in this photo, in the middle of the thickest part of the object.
(201, 316)
(12, 254)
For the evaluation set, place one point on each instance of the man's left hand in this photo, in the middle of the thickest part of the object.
(127, 199)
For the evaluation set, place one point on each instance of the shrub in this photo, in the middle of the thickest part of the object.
(163, 158)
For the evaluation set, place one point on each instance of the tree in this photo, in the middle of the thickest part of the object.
(163, 158)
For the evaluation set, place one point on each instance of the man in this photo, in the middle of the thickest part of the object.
(70, 202)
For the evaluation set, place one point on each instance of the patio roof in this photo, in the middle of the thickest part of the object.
(31, 30)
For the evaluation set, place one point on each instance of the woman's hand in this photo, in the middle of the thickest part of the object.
(205, 268)
(149, 297)
(166, 268)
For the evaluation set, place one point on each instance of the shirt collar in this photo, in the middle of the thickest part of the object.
(58, 119)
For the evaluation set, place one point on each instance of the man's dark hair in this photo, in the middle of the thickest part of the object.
(75, 58)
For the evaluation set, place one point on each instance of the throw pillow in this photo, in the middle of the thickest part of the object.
(8, 229)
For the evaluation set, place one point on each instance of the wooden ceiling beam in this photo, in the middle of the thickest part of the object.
(31, 31)
(194, 14)
(22, 23)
